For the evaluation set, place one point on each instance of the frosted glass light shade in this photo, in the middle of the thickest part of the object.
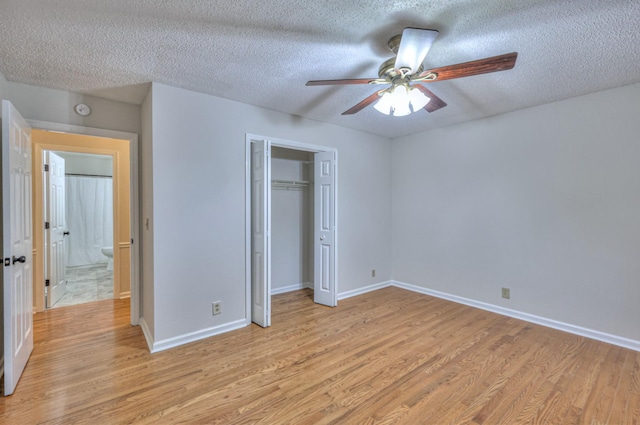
(418, 99)
(400, 101)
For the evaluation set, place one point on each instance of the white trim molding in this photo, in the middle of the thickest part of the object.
(148, 336)
(176, 341)
(531, 318)
(364, 290)
(291, 288)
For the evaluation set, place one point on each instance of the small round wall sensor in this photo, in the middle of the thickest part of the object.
(82, 109)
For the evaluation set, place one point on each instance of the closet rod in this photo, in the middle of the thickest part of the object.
(295, 160)
(291, 182)
(85, 175)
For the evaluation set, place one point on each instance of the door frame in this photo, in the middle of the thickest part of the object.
(289, 144)
(132, 138)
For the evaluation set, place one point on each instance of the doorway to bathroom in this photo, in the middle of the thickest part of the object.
(82, 219)
(86, 209)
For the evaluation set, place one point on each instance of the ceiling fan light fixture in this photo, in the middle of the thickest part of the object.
(418, 99)
(401, 100)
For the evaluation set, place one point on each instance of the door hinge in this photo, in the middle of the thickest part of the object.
(131, 241)
(46, 167)
(46, 224)
(46, 282)
(7, 262)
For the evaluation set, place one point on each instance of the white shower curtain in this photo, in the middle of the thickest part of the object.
(89, 215)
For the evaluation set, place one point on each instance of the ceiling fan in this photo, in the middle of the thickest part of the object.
(404, 74)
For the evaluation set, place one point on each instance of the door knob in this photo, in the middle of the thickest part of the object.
(65, 233)
(21, 259)
(322, 237)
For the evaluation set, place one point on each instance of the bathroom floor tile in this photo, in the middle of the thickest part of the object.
(87, 284)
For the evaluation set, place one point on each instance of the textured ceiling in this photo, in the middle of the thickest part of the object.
(263, 52)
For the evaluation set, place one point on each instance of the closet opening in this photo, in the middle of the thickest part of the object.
(291, 229)
(291, 220)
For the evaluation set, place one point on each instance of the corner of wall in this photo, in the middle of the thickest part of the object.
(147, 298)
(148, 335)
(3, 87)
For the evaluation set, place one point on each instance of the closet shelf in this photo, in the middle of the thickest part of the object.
(289, 184)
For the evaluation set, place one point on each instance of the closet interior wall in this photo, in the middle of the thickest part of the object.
(291, 219)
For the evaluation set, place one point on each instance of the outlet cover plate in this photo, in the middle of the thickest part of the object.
(506, 293)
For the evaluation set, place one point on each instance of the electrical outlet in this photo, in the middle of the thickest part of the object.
(216, 308)
(373, 272)
(506, 293)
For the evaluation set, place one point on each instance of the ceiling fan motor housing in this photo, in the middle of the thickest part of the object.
(387, 69)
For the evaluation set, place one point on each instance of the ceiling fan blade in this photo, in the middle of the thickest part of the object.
(360, 106)
(414, 46)
(345, 82)
(435, 103)
(467, 69)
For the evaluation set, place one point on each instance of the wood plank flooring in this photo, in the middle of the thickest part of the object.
(386, 357)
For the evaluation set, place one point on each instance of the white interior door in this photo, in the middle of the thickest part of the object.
(260, 233)
(54, 213)
(16, 245)
(324, 207)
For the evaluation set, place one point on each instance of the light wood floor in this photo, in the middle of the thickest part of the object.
(390, 356)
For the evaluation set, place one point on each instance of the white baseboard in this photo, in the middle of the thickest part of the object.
(566, 327)
(550, 323)
(291, 288)
(285, 289)
(364, 290)
(147, 333)
(238, 324)
(165, 344)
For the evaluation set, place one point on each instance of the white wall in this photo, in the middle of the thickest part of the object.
(84, 163)
(3, 87)
(38, 103)
(199, 204)
(543, 200)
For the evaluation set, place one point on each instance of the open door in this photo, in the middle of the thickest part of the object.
(16, 245)
(260, 233)
(55, 231)
(324, 282)
(324, 229)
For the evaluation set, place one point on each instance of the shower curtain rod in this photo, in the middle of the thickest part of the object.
(85, 175)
